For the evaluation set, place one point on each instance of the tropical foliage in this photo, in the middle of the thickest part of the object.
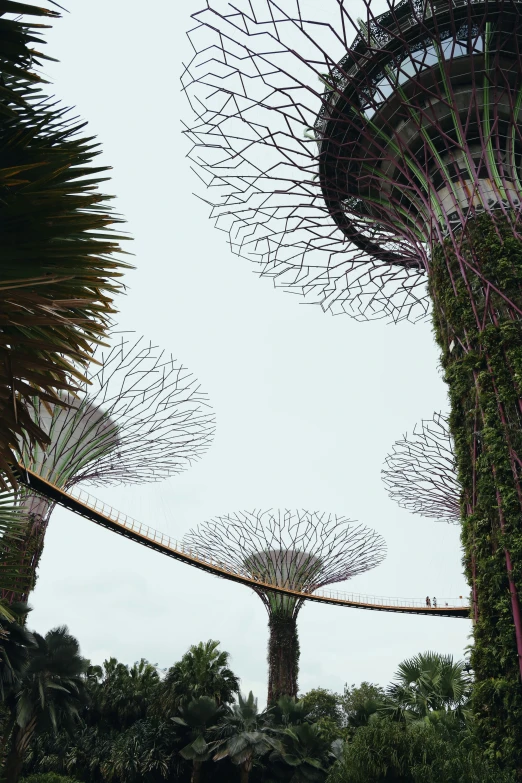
(47, 777)
(62, 718)
(428, 684)
(387, 751)
(48, 693)
(203, 671)
(60, 264)
(243, 736)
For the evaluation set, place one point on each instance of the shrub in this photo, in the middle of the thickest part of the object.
(47, 777)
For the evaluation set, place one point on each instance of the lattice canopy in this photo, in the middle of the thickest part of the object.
(339, 149)
(420, 472)
(140, 417)
(298, 549)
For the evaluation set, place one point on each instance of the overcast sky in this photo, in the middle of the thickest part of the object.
(307, 405)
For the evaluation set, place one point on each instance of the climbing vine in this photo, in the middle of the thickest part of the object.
(480, 334)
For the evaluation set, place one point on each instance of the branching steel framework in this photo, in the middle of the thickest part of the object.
(299, 550)
(337, 150)
(140, 417)
(374, 164)
(420, 473)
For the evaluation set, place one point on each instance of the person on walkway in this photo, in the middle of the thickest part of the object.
(434, 601)
(428, 602)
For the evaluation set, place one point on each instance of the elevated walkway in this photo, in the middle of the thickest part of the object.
(89, 507)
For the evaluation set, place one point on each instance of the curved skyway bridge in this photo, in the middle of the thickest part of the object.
(86, 505)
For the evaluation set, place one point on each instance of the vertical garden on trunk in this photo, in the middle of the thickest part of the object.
(283, 655)
(480, 335)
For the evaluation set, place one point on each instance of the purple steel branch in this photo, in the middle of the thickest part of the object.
(307, 550)
(140, 417)
(305, 184)
(420, 473)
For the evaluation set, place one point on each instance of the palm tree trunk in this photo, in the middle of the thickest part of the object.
(20, 743)
(196, 771)
(245, 772)
(283, 656)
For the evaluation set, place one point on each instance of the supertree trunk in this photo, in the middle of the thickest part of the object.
(22, 558)
(480, 335)
(283, 657)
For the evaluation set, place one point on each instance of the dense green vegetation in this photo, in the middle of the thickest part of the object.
(66, 721)
(481, 341)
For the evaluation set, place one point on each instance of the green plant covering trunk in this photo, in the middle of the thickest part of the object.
(283, 656)
(21, 552)
(480, 335)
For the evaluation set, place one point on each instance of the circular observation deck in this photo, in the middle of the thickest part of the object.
(406, 148)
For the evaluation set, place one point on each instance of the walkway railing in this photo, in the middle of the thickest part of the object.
(90, 507)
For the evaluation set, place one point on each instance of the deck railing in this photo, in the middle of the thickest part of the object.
(148, 533)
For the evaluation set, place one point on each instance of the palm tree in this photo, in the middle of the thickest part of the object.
(304, 749)
(242, 735)
(287, 711)
(49, 693)
(197, 717)
(146, 751)
(121, 695)
(202, 671)
(360, 703)
(59, 255)
(15, 646)
(428, 683)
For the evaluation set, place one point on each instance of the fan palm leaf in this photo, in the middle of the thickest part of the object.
(242, 735)
(426, 684)
(61, 258)
(49, 693)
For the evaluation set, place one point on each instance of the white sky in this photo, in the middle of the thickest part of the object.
(307, 405)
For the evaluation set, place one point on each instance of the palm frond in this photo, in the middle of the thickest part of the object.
(61, 258)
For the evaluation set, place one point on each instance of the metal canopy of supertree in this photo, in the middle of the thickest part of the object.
(340, 150)
(297, 549)
(374, 164)
(139, 417)
(420, 472)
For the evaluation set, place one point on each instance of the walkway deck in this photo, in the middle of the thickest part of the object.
(89, 507)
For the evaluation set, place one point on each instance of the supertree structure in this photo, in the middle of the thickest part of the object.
(139, 417)
(374, 164)
(297, 549)
(420, 473)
